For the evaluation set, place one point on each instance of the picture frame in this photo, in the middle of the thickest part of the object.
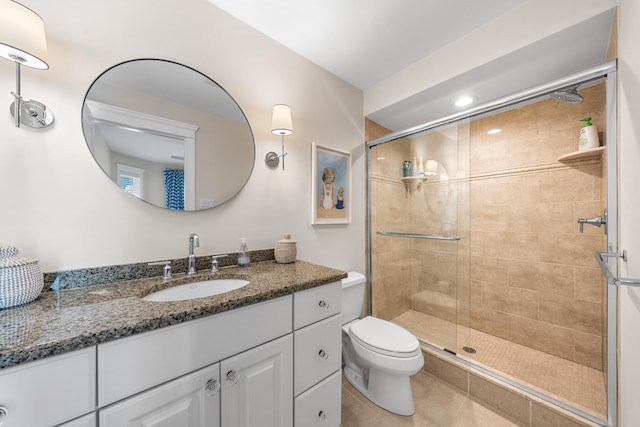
(330, 185)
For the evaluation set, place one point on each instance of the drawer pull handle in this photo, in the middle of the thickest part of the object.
(323, 354)
(323, 417)
(3, 414)
(233, 377)
(212, 387)
(323, 304)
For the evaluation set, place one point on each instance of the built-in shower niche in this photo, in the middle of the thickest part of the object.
(521, 286)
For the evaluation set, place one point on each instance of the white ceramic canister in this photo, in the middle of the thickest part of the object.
(286, 250)
(21, 280)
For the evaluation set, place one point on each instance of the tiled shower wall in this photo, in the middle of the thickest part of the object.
(521, 271)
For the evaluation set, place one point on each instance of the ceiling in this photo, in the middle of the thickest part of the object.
(365, 42)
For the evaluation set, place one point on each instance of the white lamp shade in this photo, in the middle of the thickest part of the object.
(281, 120)
(22, 35)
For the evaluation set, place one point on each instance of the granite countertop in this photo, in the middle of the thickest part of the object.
(62, 321)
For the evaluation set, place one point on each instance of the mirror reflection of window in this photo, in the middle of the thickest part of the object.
(131, 179)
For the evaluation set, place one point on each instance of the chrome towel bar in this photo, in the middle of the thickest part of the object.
(608, 274)
(418, 236)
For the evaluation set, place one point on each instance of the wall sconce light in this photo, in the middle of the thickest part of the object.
(22, 41)
(280, 125)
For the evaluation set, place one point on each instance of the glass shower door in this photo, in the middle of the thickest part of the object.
(420, 254)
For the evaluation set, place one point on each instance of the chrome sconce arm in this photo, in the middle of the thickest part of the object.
(22, 40)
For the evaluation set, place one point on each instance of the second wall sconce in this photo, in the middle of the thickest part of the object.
(22, 40)
(282, 125)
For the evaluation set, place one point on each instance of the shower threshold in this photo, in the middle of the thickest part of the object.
(568, 382)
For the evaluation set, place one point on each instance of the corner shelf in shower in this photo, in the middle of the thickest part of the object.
(591, 153)
(413, 182)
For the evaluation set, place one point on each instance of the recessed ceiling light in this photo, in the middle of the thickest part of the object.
(494, 131)
(463, 101)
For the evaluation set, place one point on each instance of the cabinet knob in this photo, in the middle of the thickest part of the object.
(232, 377)
(323, 355)
(212, 387)
(3, 414)
(323, 304)
(323, 417)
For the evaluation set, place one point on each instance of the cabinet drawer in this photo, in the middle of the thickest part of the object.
(49, 391)
(317, 352)
(134, 364)
(316, 304)
(321, 405)
(192, 400)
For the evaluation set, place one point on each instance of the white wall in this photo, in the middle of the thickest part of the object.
(58, 205)
(629, 194)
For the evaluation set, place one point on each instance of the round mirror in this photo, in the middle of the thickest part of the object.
(168, 134)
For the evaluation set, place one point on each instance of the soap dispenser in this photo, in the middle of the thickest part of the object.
(588, 136)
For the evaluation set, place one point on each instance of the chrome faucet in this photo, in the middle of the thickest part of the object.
(194, 241)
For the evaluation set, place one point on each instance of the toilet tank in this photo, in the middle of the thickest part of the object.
(352, 296)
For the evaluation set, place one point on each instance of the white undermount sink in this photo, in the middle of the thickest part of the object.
(194, 290)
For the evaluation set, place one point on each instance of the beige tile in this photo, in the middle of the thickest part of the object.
(490, 321)
(355, 413)
(489, 218)
(589, 284)
(567, 185)
(518, 189)
(542, 217)
(445, 371)
(474, 414)
(542, 336)
(490, 270)
(542, 416)
(571, 313)
(554, 278)
(569, 249)
(588, 210)
(520, 246)
(520, 302)
(589, 350)
(506, 401)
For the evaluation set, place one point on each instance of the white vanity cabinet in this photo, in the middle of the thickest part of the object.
(317, 356)
(86, 421)
(50, 391)
(248, 379)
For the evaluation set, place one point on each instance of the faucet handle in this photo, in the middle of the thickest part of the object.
(214, 262)
(166, 270)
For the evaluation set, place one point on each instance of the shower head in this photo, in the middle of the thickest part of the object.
(569, 94)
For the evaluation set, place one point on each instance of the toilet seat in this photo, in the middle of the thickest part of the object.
(384, 337)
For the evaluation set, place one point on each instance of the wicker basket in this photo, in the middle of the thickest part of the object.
(286, 250)
(21, 280)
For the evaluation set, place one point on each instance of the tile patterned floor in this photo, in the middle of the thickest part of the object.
(575, 384)
(437, 405)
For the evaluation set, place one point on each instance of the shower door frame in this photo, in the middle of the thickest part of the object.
(607, 70)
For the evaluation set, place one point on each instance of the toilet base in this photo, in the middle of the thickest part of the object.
(390, 392)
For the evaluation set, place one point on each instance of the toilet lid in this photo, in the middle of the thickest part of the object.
(384, 337)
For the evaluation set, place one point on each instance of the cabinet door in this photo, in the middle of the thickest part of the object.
(257, 386)
(189, 401)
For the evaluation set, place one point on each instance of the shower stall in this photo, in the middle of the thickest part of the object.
(483, 246)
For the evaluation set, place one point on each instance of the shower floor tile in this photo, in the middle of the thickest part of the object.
(577, 385)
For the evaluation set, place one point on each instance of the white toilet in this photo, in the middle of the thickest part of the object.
(379, 356)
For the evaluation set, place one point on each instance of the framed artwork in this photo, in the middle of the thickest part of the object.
(330, 185)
